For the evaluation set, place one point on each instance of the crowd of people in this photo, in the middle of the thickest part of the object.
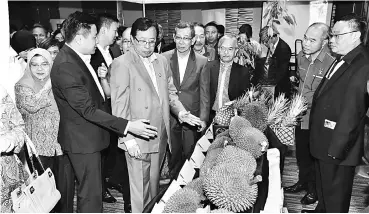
(104, 103)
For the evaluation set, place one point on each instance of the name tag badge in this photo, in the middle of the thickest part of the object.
(329, 124)
(320, 77)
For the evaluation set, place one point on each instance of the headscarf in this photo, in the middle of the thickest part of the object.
(23, 40)
(28, 78)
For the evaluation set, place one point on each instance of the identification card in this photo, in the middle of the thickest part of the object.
(329, 124)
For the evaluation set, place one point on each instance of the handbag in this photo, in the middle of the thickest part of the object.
(39, 193)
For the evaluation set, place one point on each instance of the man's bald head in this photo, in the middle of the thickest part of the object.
(315, 38)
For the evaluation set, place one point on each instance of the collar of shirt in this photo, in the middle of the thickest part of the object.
(149, 59)
(85, 58)
(320, 56)
(226, 65)
(275, 45)
(183, 57)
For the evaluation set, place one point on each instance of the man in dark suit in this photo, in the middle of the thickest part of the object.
(228, 80)
(192, 81)
(84, 122)
(276, 62)
(337, 117)
(107, 26)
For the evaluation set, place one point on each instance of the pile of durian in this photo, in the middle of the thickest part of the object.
(227, 177)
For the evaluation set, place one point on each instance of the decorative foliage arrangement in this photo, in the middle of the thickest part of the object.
(276, 10)
(247, 51)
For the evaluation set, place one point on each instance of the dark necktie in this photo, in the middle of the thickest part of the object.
(325, 79)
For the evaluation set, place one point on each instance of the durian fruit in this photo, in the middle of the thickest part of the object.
(220, 211)
(209, 161)
(251, 140)
(257, 114)
(196, 184)
(237, 125)
(235, 155)
(183, 201)
(223, 115)
(227, 186)
(219, 142)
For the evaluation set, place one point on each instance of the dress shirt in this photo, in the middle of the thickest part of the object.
(106, 54)
(86, 59)
(182, 64)
(148, 62)
(336, 67)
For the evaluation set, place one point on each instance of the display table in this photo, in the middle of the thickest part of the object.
(276, 148)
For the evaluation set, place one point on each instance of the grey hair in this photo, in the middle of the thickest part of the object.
(183, 25)
(228, 36)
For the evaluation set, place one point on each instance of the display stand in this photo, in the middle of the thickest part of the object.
(190, 171)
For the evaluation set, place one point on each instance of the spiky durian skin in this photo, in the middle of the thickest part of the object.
(209, 161)
(235, 155)
(219, 142)
(220, 211)
(183, 201)
(251, 139)
(257, 114)
(227, 186)
(224, 115)
(197, 185)
(237, 124)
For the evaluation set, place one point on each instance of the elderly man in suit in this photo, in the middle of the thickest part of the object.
(84, 122)
(192, 80)
(142, 87)
(228, 80)
(337, 117)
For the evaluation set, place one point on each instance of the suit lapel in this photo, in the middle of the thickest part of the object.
(329, 82)
(215, 73)
(159, 74)
(232, 78)
(175, 69)
(191, 66)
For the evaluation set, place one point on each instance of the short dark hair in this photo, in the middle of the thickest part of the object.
(50, 42)
(120, 30)
(183, 25)
(198, 25)
(212, 24)
(38, 25)
(143, 24)
(76, 22)
(246, 29)
(356, 23)
(221, 29)
(105, 19)
(56, 32)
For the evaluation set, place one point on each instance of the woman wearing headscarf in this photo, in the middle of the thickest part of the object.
(11, 142)
(36, 103)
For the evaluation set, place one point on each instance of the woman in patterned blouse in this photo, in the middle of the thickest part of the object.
(11, 141)
(36, 103)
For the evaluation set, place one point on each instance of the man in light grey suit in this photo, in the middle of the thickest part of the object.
(191, 77)
(142, 87)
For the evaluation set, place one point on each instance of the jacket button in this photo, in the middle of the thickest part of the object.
(139, 89)
(146, 107)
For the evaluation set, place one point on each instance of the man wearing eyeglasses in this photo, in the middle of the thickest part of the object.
(228, 80)
(192, 80)
(337, 116)
(312, 62)
(142, 87)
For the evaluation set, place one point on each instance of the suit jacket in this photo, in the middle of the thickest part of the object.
(194, 91)
(239, 81)
(97, 58)
(133, 96)
(342, 99)
(84, 124)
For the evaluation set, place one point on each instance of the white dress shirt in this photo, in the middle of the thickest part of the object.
(182, 64)
(330, 74)
(222, 80)
(106, 54)
(148, 62)
(86, 59)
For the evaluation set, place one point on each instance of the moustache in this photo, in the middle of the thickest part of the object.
(199, 43)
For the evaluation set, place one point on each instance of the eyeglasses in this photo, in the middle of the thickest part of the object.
(36, 66)
(200, 36)
(336, 36)
(227, 49)
(185, 39)
(143, 42)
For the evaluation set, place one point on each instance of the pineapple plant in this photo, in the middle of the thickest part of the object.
(224, 115)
